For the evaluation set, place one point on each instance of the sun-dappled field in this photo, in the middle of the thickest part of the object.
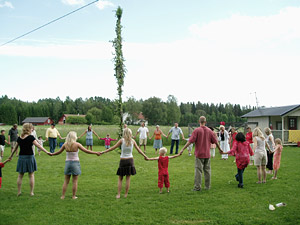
(97, 188)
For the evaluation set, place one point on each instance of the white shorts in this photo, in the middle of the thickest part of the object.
(2, 148)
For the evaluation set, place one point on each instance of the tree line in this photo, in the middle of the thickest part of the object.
(100, 110)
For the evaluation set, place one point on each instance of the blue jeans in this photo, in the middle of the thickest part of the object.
(239, 177)
(52, 144)
(172, 146)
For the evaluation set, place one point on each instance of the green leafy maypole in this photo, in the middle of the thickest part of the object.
(119, 66)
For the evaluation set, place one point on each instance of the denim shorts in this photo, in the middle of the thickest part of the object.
(72, 168)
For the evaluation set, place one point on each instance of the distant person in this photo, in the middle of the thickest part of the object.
(41, 142)
(2, 143)
(72, 166)
(260, 155)
(271, 143)
(224, 141)
(107, 141)
(176, 132)
(51, 135)
(242, 151)
(232, 135)
(213, 146)
(190, 147)
(126, 166)
(277, 157)
(144, 133)
(157, 144)
(89, 137)
(203, 137)
(33, 133)
(26, 160)
(163, 173)
(13, 137)
(249, 138)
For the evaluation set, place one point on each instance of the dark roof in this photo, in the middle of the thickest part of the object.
(35, 120)
(273, 111)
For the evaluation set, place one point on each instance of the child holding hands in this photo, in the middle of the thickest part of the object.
(277, 157)
(2, 165)
(163, 173)
(242, 151)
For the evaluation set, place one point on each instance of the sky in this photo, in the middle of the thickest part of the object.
(235, 51)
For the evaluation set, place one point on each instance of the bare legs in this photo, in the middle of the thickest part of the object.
(31, 183)
(91, 147)
(120, 186)
(261, 173)
(275, 175)
(65, 186)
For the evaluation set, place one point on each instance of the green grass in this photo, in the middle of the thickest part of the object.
(97, 188)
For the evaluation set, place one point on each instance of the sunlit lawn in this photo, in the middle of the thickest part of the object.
(96, 203)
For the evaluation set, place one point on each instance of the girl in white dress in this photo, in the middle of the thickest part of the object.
(224, 141)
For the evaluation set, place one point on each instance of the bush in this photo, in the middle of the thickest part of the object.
(76, 120)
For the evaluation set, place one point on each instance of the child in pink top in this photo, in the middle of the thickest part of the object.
(107, 141)
(163, 163)
(242, 151)
(277, 157)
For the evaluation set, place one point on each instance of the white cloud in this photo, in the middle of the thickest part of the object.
(73, 2)
(222, 61)
(103, 4)
(6, 4)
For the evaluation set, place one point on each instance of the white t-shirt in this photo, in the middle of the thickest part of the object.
(143, 132)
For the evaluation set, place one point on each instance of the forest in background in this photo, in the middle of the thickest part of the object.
(100, 110)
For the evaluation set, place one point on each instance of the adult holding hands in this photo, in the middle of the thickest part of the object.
(176, 132)
(26, 160)
(72, 167)
(203, 137)
(51, 135)
(89, 137)
(144, 133)
(126, 166)
(157, 144)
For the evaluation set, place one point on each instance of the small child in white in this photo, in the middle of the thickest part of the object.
(2, 143)
(163, 163)
(190, 147)
(41, 142)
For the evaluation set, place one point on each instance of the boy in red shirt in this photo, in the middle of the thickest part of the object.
(163, 174)
(2, 165)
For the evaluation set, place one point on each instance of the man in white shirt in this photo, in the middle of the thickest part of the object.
(144, 133)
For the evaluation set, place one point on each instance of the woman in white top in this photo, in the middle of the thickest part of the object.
(271, 143)
(224, 141)
(72, 167)
(260, 154)
(126, 166)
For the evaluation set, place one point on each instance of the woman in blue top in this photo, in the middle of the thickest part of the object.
(89, 137)
(126, 166)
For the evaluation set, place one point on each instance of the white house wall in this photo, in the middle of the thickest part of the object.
(262, 121)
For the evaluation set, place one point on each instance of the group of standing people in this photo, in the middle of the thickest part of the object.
(202, 138)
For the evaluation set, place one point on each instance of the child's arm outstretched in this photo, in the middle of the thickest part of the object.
(152, 159)
(118, 144)
(174, 156)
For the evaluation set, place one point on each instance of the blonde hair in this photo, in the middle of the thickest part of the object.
(70, 139)
(258, 133)
(222, 127)
(202, 119)
(278, 141)
(267, 131)
(127, 134)
(26, 129)
(163, 150)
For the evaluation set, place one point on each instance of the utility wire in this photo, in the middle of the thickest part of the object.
(48, 23)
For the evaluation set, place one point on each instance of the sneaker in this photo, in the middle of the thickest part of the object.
(190, 154)
(196, 189)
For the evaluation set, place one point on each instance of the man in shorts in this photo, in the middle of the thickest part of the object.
(13, 137)
(144, 133)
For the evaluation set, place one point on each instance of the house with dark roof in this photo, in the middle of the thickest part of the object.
(38, 120)
(284, 120)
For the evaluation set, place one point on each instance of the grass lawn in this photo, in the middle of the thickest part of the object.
(97, 188)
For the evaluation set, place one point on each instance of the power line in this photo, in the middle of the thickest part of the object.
(48, 23)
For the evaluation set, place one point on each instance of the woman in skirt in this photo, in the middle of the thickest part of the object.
(157, 144)
(26, 160)
(72, 167)
(126, 166)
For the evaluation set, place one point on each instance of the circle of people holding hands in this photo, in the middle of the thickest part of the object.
(246, 149)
